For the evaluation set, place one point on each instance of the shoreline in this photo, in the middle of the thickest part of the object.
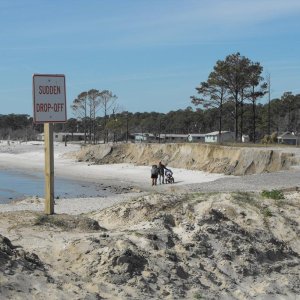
(132, 179)
(121, 179)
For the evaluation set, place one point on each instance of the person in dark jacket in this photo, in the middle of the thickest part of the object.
(154, 174)
(161, 172)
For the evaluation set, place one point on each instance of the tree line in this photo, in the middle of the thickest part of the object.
(284, 115)
(230, 99)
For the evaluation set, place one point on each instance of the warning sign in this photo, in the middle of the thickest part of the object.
(49, 98)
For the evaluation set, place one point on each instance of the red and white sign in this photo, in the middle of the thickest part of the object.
(49, 98)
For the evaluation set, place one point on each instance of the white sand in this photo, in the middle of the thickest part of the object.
(72, 206)
(30, 156)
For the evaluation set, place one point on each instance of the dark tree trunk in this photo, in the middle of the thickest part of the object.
(236, 117)
(242, 120)
(220, 121)
(254, 120)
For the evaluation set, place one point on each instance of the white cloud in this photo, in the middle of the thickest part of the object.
(196, 22)
(146, 23)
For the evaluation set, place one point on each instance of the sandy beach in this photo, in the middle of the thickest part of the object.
(125, 179)
(131, 178)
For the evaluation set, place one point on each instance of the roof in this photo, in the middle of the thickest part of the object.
(67, 133)
(197, 134)
(217, 132)
(288, 135)
(175, 135)
(145, 134)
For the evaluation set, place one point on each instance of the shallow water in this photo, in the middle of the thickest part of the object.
(19, 185)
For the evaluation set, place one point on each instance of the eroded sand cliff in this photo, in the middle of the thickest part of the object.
(210, 158)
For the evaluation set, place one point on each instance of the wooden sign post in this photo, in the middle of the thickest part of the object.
(49, 169)
(49, 106)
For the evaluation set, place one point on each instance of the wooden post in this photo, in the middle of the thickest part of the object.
(49, 169)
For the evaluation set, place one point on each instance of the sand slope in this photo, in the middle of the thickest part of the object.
(204, 157)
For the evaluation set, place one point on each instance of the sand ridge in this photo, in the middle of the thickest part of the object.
(210, 158)
(154, 246)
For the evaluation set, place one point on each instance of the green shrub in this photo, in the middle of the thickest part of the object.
(267, 212)
(273, 194)
(198, 296)
(270, 139)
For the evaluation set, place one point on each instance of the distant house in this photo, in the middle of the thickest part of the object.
(143, 137)
(289, 138)
(245, 138)
(62, 136)
(215, 137)
(40, 137)
(170, 137)
(196, 137)
(173, 137)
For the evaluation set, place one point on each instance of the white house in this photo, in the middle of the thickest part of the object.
(289, 138)
(61, 136)
(245, 138)
(167, 137)
(196, 137)
(143, 137)
(173, 137)
(215, 137)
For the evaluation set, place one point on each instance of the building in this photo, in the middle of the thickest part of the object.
(215, 137)
(289, 138)
(196, 137)
(163, 137)
(245, 138)
(143, 137)
(169, 137)
(61, 136)
(173, 138)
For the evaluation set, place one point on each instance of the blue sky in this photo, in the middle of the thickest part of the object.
(150, 53)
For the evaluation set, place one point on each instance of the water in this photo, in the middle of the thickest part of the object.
(19, 185)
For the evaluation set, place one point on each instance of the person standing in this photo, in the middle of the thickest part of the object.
(161, 172)
(154, 174)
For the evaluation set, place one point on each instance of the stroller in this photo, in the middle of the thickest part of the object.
(169, 176)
